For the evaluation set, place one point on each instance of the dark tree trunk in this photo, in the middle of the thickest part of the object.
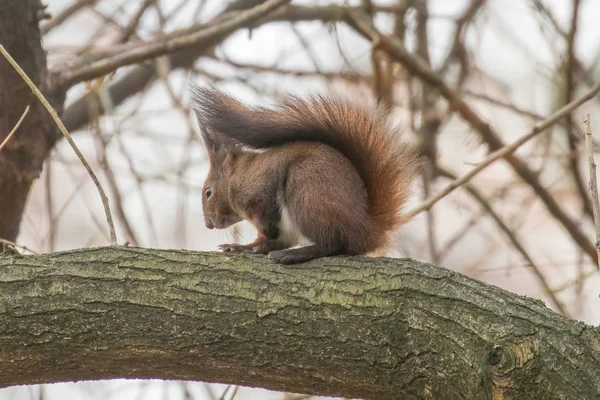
(370, 328)
(22, 158)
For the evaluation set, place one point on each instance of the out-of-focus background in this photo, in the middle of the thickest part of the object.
(514, 61)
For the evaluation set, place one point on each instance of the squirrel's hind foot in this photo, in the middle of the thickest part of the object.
(301, 254)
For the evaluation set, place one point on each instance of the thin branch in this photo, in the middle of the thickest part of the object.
(222, 397)
(50, 207)
(235, 390)
(457, 50)
(505, 105)
(297, 73)
(577, 135)
(587, 129)
(65, 14)
(569, 89)
(503, 152)
(113, 185)
(15, 245)
(577, 281)
(54, 115)
(16, 127)
(135, 20)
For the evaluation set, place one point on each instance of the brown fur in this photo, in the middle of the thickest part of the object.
(339, 169)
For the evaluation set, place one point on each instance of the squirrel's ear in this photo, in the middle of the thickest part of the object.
(217, 148)
(210, 146)
(229, 160)
(220, 151)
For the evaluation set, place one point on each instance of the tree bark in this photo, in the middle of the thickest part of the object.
(22, 158)
(354, 327)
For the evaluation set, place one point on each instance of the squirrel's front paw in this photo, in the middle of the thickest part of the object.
(236, 248)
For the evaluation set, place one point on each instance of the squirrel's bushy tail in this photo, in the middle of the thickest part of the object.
(361, 132)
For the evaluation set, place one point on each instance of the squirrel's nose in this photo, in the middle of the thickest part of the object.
(210, 224)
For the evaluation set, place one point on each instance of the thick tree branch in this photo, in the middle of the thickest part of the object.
(355, 327)
(93, 65)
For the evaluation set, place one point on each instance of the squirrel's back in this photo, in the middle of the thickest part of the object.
(361, 131)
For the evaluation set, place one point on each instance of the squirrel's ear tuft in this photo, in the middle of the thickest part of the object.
(201, 100)
(211, 106)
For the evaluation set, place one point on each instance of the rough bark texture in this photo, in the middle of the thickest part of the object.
(22, 158)
(370, 328)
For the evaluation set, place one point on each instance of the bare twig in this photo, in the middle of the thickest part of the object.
(16, 127)
(457, 50)
(225, 392)
(133, 24)
(587, 130)
(112, 184)
(577, 281)
(50, 208)
(235, 390)
(568, 67)
(503, 152)
(54, 115)
(65, 14)
(576, 132)
(16, 246)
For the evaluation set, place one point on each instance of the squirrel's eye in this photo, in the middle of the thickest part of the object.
(208, 192)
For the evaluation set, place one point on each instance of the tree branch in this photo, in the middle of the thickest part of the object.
(22, 158)
(76, 115)
(488, 135)
(93, 65)
(16, 127)
(355, 327)
(65, 14)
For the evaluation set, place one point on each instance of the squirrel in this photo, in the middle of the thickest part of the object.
(320, 171)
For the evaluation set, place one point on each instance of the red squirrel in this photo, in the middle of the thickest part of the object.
(319, 171)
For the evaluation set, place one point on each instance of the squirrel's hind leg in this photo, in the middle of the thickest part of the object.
(302, 254)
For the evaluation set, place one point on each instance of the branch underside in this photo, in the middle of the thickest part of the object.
(355, 327)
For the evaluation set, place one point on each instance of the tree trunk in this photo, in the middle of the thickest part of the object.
(22, 158)
(355, 327)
